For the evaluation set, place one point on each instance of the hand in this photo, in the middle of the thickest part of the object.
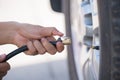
(37, 38)
(4, 67)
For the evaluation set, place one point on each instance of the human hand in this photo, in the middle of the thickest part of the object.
(37, 39)
(4, 67)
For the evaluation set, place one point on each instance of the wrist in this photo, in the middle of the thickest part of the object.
(8, 31)
(14, 31)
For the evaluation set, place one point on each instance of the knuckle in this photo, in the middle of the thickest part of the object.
(31, 53)
(52, 52)
(35, 42)
(8, 66)
(60, 47)
(42, 51)
(27, 52)
(44, 41)
(32, 49)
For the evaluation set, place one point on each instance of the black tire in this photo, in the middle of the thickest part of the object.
(71, 63)
(109, 17)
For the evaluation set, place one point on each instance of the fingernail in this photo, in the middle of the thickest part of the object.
(60, 33)
(57, 32)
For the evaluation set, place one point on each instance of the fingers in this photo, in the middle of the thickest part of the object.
(2, 74)
(42, 46)
(50, 31)
(2, 57)
(4, 67)
(48, 46)
(60, 46)
(35, 47)
(39, 47)
(31, 48)
(37, 32)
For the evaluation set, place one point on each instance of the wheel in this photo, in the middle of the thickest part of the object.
(83, 60)
(94, 27)
(93, 23)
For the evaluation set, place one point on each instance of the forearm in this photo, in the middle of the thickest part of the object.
(7, 32)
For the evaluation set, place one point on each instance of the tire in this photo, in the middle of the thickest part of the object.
(71, 64)
(109, 18)
(109, 38)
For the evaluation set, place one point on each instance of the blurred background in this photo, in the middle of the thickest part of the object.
(40, 67)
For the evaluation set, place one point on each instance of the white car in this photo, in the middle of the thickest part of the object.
(94, 27)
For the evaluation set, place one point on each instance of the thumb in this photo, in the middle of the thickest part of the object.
(50, 31)
(39, 32)
(2, 57)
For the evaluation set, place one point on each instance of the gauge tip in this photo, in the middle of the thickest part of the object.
(66, 41)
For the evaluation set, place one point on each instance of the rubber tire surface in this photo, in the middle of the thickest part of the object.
(109, 17)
